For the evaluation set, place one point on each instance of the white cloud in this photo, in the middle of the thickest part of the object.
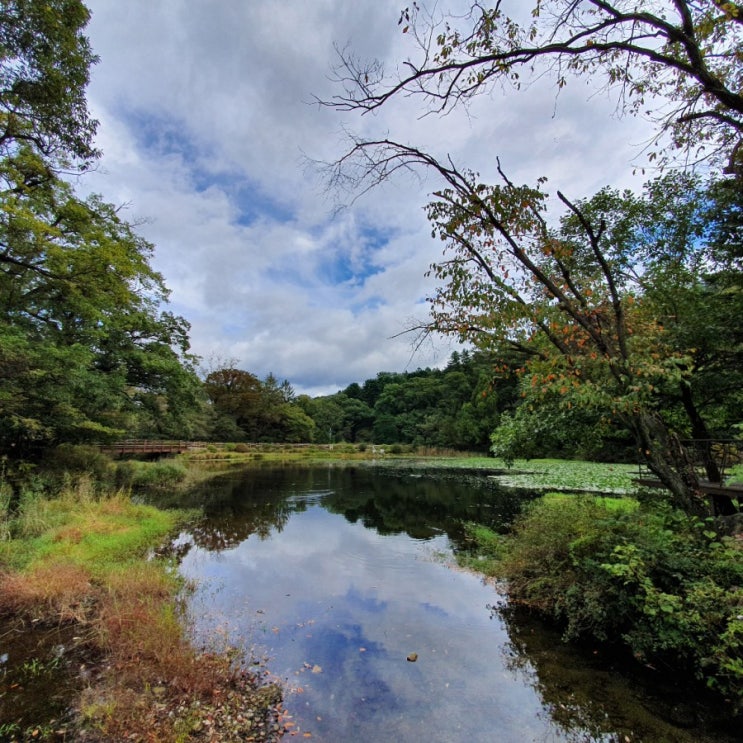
(206, 123)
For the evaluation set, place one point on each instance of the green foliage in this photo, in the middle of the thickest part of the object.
(44, 69)
(552, 430)
(663, 582)
(452, 408)
(150, 476)
(247, 409)
(618, 314)
(74, 460)
(486, 549)
(86, 352)
(571, 476)
(456, 407)
(610, 503)
(65, 526)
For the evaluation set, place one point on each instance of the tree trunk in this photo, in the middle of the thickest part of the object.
(700, 433)
(667, 458)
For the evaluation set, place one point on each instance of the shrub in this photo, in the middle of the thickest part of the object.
(660, 582)
(76, 459)
(483, 551)
(149, 475)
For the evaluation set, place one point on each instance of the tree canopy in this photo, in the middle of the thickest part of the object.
(86, 350)
(45, 62)
(248, 409)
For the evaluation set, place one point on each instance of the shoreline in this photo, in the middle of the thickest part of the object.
(88, 610)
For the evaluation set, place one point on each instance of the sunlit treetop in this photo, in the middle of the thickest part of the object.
(44, 69)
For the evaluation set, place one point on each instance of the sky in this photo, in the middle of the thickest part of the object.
(209, 131)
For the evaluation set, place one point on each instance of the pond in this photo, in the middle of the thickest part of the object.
(343, 580)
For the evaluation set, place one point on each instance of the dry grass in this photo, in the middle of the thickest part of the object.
(59, 592)
(139, 628)
(150, 664)
(79, 558)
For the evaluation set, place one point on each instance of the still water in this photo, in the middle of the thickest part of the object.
(344, 580)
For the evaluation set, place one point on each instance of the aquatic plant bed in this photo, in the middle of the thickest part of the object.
(558, 475)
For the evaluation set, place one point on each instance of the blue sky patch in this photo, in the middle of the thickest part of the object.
(166, 136)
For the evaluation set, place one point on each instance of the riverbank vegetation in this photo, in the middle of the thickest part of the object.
(664, 586)
(81, 560)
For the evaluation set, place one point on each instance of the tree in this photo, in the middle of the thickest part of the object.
(235, 393)
(257, 411)
(588, 304)
(456, 407)
(86, 350)
(577, 301)
(677, 61)
(45, 61)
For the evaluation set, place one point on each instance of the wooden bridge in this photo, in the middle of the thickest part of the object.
(142, 446)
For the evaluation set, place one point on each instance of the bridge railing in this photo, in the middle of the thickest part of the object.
(148, 446)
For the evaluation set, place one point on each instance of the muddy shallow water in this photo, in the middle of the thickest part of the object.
(343, 578)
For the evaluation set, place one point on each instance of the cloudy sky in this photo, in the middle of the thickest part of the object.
(207, 125)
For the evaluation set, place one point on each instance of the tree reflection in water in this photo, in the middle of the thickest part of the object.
(603, 695)
(423, 505)
(582, 695)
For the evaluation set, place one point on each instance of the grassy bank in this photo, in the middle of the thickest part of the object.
(78, 559)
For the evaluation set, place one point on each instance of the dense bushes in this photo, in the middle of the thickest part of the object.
(664, 584)
(150, 476)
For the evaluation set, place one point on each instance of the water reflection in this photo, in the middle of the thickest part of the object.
(337, 576)
(584, 690)
(242, 503)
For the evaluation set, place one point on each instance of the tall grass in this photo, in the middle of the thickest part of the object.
(80, 556)
(69, 542)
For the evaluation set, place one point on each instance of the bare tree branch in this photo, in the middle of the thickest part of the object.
(687, 53)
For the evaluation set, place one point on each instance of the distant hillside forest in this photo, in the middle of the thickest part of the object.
(472, 404)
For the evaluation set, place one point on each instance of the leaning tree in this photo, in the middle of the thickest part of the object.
(577, 298)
